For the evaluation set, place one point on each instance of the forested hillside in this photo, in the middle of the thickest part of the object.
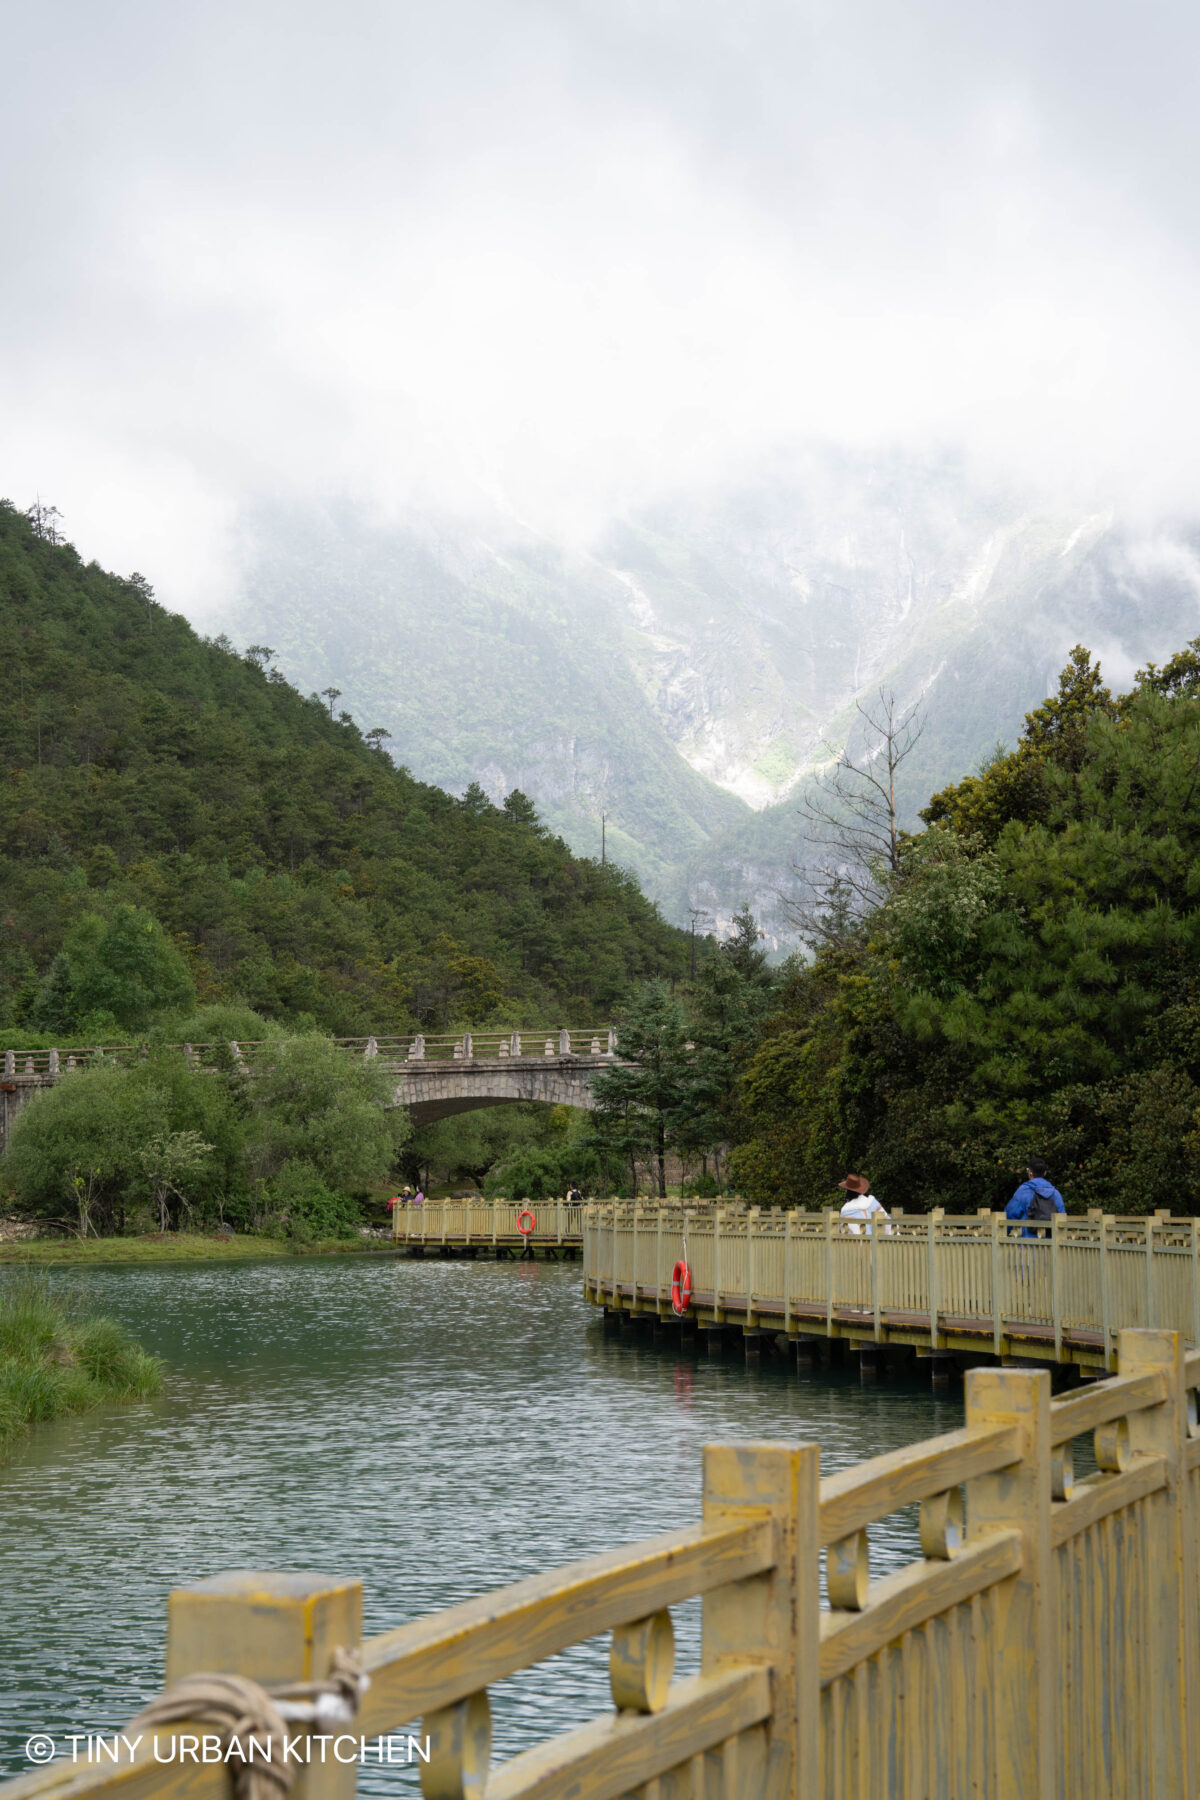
(1030, 983)
(154, 779)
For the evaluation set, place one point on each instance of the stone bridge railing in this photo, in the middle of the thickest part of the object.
(439, 1073)
(465, 1046)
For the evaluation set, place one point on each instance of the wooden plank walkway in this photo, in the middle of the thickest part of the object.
(952, 1285)
(479, 1228)
(1045, 1644)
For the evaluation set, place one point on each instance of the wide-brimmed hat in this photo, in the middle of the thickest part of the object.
(855, 1184)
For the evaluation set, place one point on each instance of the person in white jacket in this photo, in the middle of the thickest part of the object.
(861, 1206)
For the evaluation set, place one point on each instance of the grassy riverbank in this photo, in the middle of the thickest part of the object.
(178, 1246)
(56, 1359)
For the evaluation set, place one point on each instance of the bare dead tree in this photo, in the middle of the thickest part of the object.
(851, 831)
(45, 521)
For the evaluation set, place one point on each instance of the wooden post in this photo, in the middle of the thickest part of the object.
(1195, 1224)
(829, 1217)
(1024, 1648)
(787, 1270)
(875, 1276)
(997, 1284)
(276, 1629)
(1150, 1307)
(1055, 1291)
(774, 1617)
(658, 1260)
(1105, 1222)
(635, 1223)
(716, 1262)
(1168, 1548)
(937, 1213)
(752, 1218)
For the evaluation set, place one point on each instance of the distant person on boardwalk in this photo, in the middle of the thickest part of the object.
(418, 1198)
(574, 1197)
(1036, 1200)
(861, 1206)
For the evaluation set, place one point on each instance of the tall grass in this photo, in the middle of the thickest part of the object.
(56, 1358)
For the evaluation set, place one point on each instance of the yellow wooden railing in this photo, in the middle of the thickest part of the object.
(949, 1283)
(1043, 1647)
(470, 1223)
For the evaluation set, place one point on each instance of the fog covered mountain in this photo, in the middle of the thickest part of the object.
(688, 670)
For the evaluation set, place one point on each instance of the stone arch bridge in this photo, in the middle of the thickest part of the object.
(435, 1076)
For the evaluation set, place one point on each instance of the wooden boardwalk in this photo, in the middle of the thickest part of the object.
(1043, 1646)
(946, 1284)
(479, 1228)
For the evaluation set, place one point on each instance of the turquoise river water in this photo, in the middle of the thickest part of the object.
(436, 1428)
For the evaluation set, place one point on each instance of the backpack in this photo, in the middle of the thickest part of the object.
(1041, 1208)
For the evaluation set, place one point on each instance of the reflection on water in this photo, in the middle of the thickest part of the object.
(436, 1428)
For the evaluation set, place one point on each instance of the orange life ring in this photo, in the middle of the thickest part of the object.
(681, 1289)
(522, 1227)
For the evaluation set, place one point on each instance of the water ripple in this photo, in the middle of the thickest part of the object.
(436, 1428)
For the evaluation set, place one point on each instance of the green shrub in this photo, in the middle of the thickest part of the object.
(56, 1359)
(301, 1206)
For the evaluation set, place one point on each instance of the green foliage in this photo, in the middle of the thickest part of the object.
(75, 1148)
(297, 1203)
(56, 1359)
(310, 1103)
(640, 1102)
(282, 1148)
(1027, 986)
(227, 1023)
(1016, 787)
(285, 862)
(123, 968)
(547, 1172)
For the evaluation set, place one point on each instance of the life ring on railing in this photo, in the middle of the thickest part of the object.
(522, 1227)
(681, 1289)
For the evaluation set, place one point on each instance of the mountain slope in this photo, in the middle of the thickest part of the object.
(293, 863)
(691, 672)
(498, 660)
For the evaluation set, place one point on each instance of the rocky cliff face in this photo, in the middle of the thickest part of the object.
(689, 671)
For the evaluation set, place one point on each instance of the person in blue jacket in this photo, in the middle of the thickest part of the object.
(1036, 1200)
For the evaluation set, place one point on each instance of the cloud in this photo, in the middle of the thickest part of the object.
(565, 257)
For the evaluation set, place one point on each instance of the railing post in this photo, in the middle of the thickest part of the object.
(997, 1284)
(829, 1221)
(1171, 1685)
(1055, 1290)
(1195, 1223)
(787, 1292)
(276, 1629)
(1105, 1222)
(716, 1262)
(937, 1213)
(875, 1276)
(774, 1617)
(658, 1260)
(1022, 1623)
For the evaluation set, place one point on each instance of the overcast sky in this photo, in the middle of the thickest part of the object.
(576, 253)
